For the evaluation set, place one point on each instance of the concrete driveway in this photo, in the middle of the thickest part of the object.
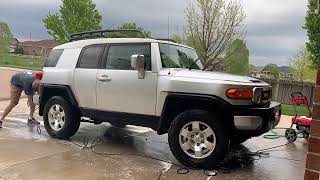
(26, 154)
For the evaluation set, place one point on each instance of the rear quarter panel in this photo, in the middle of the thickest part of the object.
(63, 73)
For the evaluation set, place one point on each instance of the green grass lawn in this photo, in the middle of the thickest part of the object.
(21, 62)
(288, 109)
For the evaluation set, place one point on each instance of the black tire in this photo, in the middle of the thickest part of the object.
(72, 118)
(291, 135)
(236, 140)
(222, 140)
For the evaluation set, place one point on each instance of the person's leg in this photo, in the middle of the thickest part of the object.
(32, 109)
(32, 106)
(15, 93)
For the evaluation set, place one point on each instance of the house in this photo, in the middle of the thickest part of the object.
(37, 48)
(13, 45)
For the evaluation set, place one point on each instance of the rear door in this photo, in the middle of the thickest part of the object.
(85, 75)
(118, 86)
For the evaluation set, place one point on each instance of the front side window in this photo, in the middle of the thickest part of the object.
(53, 58)
(119, 56)
(173, 56)
(90, 57)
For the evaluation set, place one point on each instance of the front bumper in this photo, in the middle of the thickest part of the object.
(254, 121)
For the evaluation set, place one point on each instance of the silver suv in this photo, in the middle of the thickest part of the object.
(157, 84)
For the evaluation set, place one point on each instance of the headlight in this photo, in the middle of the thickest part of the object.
(240, 94)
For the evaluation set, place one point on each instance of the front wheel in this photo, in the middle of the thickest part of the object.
(197, 139)
(61, 119)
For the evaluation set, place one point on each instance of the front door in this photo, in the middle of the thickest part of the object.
(118, 86)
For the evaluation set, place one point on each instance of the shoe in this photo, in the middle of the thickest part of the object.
(33, 121)
(1, 124)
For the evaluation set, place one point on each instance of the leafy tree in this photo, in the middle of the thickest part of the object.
(75, 16)
(211, 26)
(18, 50)
(237, 58)
(273, 69)
(312, 25)
(177, 38)
(135, 26)
(252, 67)
(303, 69)
(5, 40)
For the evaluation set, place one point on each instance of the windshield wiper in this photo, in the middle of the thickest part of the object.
(193, 63)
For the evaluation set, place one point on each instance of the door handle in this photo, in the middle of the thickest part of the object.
(104, 78)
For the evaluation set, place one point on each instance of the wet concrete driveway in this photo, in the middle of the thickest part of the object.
(25, 154)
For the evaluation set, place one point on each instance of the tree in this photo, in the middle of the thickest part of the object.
(75, 16)
(252, 68)
(211, 26)
(302, 66)
(237, 58)
(5, 40)
(312, 25)
(177, 38)
(135, 26)
(273, 69)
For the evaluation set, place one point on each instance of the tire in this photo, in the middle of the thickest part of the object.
(71, 118)
(291, 135)
(213, 157)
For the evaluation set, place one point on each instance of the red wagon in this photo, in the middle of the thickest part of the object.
(302, 123)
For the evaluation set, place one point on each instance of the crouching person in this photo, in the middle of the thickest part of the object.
(28, 82)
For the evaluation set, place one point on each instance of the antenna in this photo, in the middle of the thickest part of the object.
(169, 38)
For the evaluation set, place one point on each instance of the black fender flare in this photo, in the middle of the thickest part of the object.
(188, 101)
(49, 90)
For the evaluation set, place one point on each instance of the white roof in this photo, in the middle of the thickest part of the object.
(86, 42)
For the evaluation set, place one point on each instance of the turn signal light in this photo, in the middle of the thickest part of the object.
(241, 94)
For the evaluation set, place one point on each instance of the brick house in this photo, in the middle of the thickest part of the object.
(37, 48)
(313, 158)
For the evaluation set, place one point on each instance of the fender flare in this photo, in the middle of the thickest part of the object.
(165, 119)
(49, 90)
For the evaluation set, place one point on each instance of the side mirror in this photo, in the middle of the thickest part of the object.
(137, 63)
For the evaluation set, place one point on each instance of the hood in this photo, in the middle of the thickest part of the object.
(214, 76)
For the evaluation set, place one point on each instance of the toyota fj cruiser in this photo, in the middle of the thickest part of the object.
(153, 83)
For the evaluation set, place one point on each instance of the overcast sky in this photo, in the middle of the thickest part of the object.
(274, 27)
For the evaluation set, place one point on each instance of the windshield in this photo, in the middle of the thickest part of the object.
(173, 56)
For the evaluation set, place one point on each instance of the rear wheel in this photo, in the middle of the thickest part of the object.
(291, 135)
(197, 139)
(61, 119)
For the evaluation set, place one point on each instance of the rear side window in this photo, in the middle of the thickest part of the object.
(53, 58)
(90, 57)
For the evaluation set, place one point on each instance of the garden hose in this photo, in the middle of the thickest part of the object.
(272, 135)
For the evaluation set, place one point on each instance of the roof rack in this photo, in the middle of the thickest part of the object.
(170, 40)
(118, 33)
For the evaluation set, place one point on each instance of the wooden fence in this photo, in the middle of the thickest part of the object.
(281, 89)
